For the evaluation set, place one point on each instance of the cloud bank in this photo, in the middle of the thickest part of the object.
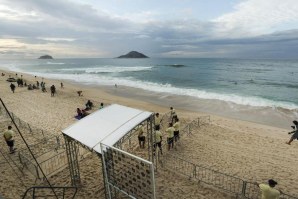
(253, 29)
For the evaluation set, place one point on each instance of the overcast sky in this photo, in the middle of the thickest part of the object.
(157, 28)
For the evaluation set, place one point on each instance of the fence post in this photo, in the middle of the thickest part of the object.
(194, 171)
(20, 159)
(243, 189)
(19, 121)
(29, 128)
(37, 172)
(58, 141)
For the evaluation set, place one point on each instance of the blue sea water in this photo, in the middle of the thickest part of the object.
(255, 83)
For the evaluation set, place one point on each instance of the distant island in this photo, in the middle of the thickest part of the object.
(46, 57)
(133, 54)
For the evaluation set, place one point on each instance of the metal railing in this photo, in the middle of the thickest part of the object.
(46, 192)
(51, 165)
(34, 132)
(29, 165)
(220, 180)
(231, 184)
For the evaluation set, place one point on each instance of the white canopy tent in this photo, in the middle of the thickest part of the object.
(106, 126)
(100, 131)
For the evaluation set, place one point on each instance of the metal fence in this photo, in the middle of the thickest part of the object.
(34, 132)
(50, 166)
(228, 183)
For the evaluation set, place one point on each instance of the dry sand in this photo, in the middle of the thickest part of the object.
(247, 150)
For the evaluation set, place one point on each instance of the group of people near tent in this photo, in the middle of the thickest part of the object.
(172, 132)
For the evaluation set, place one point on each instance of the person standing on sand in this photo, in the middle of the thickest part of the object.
(8, 136)
(268, 191)
(177, 129)
(173, 114)
(295, 133)
(158, 139)
(157, 120)
(170, 136)
(12, 87)
(141, 137)
(53, 90)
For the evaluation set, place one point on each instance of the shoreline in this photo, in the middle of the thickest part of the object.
(275, 117)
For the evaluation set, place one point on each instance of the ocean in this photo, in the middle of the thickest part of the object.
(264, 91)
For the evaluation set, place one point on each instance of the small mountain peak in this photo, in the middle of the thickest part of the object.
(133, 54)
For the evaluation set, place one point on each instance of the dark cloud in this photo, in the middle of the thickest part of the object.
(94, 29)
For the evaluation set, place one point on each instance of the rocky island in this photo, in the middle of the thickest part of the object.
(46, 57)
(133, 54)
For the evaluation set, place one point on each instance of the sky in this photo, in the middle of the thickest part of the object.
(260, 29)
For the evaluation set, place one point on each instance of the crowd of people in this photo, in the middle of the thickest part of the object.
(32, 86)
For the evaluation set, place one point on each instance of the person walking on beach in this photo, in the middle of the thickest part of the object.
(12, 87)
(173, 114)
(295, 133)
(141, 137)
(158, 139)
(157, 120)
(268, 191)
(8, 136)
(170, 136)
(53, 90)
(177, 130)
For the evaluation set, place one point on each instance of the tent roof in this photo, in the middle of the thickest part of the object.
(106, 125)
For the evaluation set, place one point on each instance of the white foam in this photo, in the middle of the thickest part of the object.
(168, 88)
(109, 69)
(55, 63)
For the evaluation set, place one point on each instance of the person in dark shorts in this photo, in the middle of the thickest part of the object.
(141, 137)
(170, 136)
(158, 139)
(295, 133)
(177, 130)
(8, 136)
(173, 114)
(53, 90)
(12, 87)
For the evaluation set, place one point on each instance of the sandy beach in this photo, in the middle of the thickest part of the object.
(251, 151)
